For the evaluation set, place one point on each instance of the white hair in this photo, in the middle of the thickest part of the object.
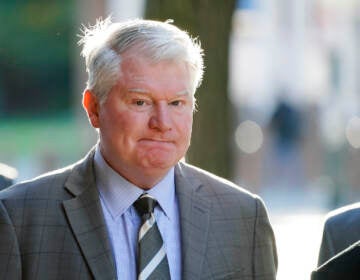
(105, 42)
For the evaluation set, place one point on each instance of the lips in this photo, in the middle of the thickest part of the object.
(160, 142)
(157, 140)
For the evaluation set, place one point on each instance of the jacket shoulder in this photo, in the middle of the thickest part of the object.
(51, 185)
(344, 216)
(216, 185)
(38, 186)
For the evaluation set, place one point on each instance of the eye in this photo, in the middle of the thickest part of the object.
(139, 102)
(176, 103)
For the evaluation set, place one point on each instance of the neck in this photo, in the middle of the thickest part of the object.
(144, 181)
(144, 178)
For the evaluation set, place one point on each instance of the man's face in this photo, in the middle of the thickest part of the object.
(145, 123)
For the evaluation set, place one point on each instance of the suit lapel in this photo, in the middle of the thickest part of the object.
(194, 220)
(86, 220)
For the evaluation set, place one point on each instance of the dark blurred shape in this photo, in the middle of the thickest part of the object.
(285, 154)
(7, 175)
(344, 266)
(286, 124)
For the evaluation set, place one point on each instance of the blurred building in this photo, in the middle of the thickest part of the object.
(307, 53)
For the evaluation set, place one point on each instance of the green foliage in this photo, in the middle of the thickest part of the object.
(34, 32)
(35, 57)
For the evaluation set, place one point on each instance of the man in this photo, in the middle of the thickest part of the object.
(83, 222)
(7, 175)
(339, 251)
(341, 229)
(344, 265)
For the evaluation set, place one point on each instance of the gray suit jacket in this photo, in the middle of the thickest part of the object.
(341, 229)
(53, 228)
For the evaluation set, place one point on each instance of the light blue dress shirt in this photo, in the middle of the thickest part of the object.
(117, 196)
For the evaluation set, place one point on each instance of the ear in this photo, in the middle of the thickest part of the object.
(91, 106)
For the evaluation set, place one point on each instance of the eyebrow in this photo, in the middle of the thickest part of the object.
(183, 92)
(137, 90)
(143, 91)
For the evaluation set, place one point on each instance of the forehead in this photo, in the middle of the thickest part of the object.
(139, 70)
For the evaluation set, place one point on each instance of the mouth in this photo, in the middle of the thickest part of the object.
(156, 140)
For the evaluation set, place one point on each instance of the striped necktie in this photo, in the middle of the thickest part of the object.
(152, 260)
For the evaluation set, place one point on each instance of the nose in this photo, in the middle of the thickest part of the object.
(160, 118)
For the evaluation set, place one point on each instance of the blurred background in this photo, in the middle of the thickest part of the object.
(279, 107)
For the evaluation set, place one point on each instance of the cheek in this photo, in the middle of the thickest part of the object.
(185, 127)
(115, 115)
(128, 128)
(114, 124)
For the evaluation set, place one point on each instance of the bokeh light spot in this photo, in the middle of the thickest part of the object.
(249, 137)
(352, 132)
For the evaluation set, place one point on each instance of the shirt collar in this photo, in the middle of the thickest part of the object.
(164, 193)
(118, 194)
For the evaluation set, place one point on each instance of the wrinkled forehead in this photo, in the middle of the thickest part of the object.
(135, 63)
(133, 59)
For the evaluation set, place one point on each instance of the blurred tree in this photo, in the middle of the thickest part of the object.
(211, 22)
(34, 57)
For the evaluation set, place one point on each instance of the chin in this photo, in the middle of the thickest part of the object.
(159, 163)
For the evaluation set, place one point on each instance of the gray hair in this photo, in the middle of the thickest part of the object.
(105, 42)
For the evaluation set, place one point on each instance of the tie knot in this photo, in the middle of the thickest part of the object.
(145, 204)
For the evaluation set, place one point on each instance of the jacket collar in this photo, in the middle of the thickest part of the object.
(86, 219)
(194, 220)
